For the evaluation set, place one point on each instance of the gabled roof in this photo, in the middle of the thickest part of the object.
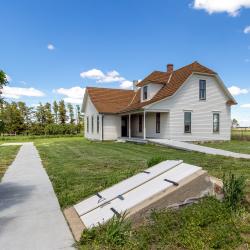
(109, 100)
(120, 101)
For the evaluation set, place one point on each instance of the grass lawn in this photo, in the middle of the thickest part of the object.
(79, 168)
(7, 155)
(234, 146)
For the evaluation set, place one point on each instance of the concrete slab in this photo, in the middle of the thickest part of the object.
(197, 148)
(30, 215)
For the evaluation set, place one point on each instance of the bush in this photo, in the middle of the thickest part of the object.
(234, 190)
(155, 160)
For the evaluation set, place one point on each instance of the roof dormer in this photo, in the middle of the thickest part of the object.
(149, 90)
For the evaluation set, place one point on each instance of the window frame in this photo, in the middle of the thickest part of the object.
(187, 123)
(216, 128)
(145, 93)
(92, 124)
(97, 124)
(202, 90)
(140, 123)
(158, 122)
(87, 124)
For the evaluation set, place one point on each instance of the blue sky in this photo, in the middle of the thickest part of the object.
(53, 49)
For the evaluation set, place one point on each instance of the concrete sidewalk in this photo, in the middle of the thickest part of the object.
(197, 148)
(30, 216)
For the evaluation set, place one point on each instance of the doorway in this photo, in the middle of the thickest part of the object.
(124, 123)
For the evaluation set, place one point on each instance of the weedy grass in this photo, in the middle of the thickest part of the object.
(206, 225)
(7, 155)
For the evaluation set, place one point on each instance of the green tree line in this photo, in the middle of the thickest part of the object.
(45, 119)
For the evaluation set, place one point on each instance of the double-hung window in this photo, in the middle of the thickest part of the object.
(145, 92)
(87, 124)
(216, 122)
(92, 124)
(140, 123)
(158, 122)
(187, 121)
(203, 87)
(97, 124)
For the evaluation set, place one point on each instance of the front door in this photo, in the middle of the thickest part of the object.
(124, 126)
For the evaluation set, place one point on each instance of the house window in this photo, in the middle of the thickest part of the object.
(216, 123)
(97, 124)
(140, 123)
(87, 124)
(203, 89)
(145, 92)
(187, 122)
(158, 122)
(92, 124)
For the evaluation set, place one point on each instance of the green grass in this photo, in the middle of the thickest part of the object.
(79, 168)
(7, 155)
(21, 138)
(234, 146)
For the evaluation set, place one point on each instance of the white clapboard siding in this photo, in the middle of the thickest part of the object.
(151, 125)
(90, 111)
(187, 99)
(111, 127)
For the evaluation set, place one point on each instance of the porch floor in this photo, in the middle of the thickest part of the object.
(133, 139)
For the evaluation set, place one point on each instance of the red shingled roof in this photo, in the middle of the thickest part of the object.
(119, 101)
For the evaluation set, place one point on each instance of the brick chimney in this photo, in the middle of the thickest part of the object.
(170, 68)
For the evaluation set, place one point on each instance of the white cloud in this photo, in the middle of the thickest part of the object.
(99, 76)
(245, 105)
(16, 92)
(109, 77)
(9, 79)
(234, 90)
(126, 84)
(232, 7)
(247, 30)
(50, 46)
(73, 95)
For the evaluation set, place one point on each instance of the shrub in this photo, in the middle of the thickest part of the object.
(234, 190)
(155, 160)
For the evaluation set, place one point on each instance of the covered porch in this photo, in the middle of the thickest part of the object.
(145, 124)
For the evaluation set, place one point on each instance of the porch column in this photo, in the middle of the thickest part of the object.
(144, 125)
(129, 126)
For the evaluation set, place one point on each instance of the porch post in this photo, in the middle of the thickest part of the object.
(144, 125)
(129, 126)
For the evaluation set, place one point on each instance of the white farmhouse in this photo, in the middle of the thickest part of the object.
(187, 104)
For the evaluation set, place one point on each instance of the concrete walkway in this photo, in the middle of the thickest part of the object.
(198, 148)
(30, 216)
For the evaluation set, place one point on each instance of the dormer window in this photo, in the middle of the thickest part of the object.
(145, 92)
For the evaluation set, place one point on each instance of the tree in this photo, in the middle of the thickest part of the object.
(48, 114)
(235, 123)
(3, 82)
(55, 109)
(79, 114)
(12, 118)
(62, 112)
(71, 113)
(41, 114)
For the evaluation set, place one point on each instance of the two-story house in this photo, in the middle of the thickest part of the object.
(187, 104)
